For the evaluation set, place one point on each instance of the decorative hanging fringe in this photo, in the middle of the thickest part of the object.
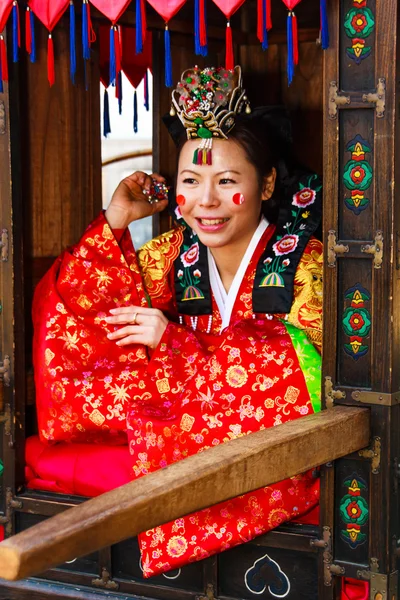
(141, 25)
(324, 25)
(16, 31)
(72, 45)
(3, 64)
(118, 49)
(86, 32)
(50, 61)
(295, 40)
(203, 26)
(200, 32)
(229, 59)
(135, 113)
(264, 21)
(3, 57)
(168, 59)
(269, 15)
(203, 154)
(293, 45)
(32, 35)
(119, 91)
(106, 114)
(28, 31)
(146, 90)
(113, 66)
(290, 55)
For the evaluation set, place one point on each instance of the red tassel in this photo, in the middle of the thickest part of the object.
(144, 22)
(203, 31)
(260, 33)
(118, 49)
(295, 40)
(18, 24)
(269, 16)
(28, 31)
(91, 32)
(229, 59)
(50, 61)
(3, 55)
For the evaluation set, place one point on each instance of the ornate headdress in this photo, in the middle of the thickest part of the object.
(206, 102)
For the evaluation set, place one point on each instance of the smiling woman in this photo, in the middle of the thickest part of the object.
(184, 346)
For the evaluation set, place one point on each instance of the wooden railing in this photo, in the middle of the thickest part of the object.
(215, 475)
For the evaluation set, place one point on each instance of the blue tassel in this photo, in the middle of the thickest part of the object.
(135, 113)
(198, 48)
(33, 40)
(120, 92)
(324, 25)
(290, 61)
(106, 115)
(72, 46)
(85, 32)
(168, 59)
(139, 37)
(1, 79)
(15, 16)
(146, 91)
(264, 44)
(113, 64)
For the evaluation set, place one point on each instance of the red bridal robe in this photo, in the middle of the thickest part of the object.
(202, 385)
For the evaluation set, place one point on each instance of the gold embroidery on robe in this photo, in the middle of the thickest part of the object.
(156, 258)
(306, 312)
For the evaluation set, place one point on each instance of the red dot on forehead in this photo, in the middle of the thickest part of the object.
(180, 200)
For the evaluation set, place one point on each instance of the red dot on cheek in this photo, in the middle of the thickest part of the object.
(180, 200)
(238, 199)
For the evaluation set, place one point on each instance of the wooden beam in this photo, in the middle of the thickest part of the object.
(218, 474)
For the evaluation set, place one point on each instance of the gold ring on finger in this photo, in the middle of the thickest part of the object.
(134, 318)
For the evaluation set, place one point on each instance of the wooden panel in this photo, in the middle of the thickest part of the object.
(188, 485)
(61, 151)
(359, 161)
(248, 570)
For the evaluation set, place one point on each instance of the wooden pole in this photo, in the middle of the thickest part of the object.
(215, 475)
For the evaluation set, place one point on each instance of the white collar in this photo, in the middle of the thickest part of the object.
(225, 301)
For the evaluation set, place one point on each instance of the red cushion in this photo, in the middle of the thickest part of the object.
(80, 469)
(87, 469)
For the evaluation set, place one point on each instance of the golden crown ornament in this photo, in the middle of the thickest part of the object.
(207, 102)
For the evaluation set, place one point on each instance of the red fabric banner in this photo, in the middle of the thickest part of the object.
(112, 9)
(5, 11)
(49, 12)
(167, 8)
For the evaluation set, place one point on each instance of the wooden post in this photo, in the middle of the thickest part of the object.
(361, 291)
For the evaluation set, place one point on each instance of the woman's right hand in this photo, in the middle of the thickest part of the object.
(129, 203)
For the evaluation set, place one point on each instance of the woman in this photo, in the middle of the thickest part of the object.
(182, 345)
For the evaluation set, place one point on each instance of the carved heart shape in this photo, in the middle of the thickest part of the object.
(166, 8)
(112, 9)
(228, 7)
(49, 11)
(290, 4)
(5, 9)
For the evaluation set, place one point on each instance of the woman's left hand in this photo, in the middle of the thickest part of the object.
(142, 325)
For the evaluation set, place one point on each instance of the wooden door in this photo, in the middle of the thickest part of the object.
(359, 500)
(12, 366)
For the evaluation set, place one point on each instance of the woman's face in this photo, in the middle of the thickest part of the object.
(209, 190)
